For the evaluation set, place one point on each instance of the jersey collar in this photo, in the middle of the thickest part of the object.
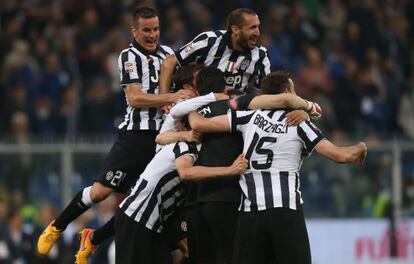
(144, 51)
(227, 40)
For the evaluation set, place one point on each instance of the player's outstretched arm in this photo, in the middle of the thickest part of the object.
(286, 100)
(184, 108)
(214, 124)
(137, 99)
(273, 101)
(355, 153)
(188, 172)
(167, 69)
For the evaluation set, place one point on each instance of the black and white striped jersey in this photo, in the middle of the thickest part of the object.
(218, 189)
(159, 190)
(181, 109)
(275, 153)
(214, 48)
(137, 65)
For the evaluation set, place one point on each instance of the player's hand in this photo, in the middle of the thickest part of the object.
(183, 95)
(314, 110)
(239, 165)
(296, 117)
(167, 108)
(361, 159)
(194, 136)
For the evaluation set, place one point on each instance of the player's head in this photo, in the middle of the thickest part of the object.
(146, 27)
(277, 82)
(210, 79)
(243, 24)
(185, 77)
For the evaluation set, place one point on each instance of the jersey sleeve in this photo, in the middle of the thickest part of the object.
(182, 148)
(130, 68)
(309, 134)
(168, 124)
(239, 120)
(240, 102)
(193, 50)
(184, 107)
(167, 50)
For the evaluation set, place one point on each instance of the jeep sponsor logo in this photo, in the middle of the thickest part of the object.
(233, 81)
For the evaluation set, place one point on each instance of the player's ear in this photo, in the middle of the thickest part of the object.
(133, 30)
(235, 29)
(291, 86)
(187, 86)
(190, 87)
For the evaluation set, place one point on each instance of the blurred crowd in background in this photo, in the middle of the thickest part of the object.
(59, 81)
(59, 76)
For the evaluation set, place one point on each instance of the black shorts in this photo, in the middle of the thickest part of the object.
(176, 228)
(134, 243)
(211, 231)
(276, 235)
(127, 159)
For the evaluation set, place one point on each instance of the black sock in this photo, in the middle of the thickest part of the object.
(75, 208)
(104, 232)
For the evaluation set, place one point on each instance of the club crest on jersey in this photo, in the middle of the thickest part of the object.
(183, 226)
(244, 64)
(109, 175)
(129, 66)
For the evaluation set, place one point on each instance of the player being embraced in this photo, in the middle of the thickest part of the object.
(143, 228)
(271, 226)
(212, 204)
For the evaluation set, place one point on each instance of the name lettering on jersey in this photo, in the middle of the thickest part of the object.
(204, 111)
(265, 125)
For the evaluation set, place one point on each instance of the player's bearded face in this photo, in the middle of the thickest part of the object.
(250, 32)
(147, 33)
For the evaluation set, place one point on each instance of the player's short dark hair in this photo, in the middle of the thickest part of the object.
(236, 17)
(143, 12)
(210, 79)
(184, 75)
(276, 82)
